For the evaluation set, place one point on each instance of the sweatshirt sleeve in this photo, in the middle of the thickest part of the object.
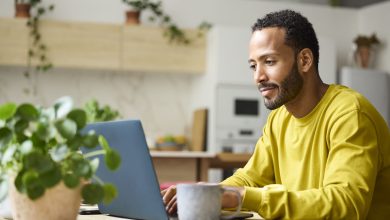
(258, 171)
(348, 185)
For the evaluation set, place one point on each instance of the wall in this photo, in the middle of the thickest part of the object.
(375, 19)
(161, 100)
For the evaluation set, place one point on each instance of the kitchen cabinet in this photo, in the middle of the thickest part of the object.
(13, 42)
(81, 45)
(145, 48)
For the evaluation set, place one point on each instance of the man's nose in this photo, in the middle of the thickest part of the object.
(259, 75)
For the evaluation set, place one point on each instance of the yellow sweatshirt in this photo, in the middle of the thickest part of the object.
(334, 163)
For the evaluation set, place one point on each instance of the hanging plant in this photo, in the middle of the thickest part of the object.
(37, 50)
(171, 31)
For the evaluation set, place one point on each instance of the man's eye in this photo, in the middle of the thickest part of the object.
(270, 62)
(252, 67)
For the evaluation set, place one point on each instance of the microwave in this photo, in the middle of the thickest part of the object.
(240, 117)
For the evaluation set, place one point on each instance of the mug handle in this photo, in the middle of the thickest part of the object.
(235, 214)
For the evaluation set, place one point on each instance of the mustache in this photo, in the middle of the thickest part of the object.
(263, 85)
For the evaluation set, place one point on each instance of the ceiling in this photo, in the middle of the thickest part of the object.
(339, 3)
(357, 3)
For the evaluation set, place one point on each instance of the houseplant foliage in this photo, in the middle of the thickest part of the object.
(364, 50)
(96, 113)
(171, 31)
(37, 51)
(41, 147)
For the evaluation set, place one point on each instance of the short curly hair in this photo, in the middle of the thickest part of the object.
(299, 31)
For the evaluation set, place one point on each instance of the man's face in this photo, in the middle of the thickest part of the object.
(275, 68)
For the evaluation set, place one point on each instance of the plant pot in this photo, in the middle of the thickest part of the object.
(22, 10)
(58, 202)
(132, 17)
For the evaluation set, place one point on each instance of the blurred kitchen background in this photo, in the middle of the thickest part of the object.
(167, 86)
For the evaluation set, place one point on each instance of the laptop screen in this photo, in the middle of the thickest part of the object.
(138, 189)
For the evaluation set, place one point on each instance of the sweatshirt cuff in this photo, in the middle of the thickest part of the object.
(252, 198)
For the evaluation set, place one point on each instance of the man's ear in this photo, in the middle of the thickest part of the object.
(305, 59)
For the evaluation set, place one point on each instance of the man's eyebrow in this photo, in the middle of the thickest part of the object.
(262, 56)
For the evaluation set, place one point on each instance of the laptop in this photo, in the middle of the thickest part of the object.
(139, 194)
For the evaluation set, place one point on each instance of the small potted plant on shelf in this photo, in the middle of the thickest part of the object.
(22, 7)
(365, 50)
(171, 31)
(41, 161)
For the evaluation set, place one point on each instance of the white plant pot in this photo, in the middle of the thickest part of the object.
(58, 203)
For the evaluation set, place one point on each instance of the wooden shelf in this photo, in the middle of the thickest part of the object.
(13, 42)
(145, 48)
(103, 46)
(83, 45)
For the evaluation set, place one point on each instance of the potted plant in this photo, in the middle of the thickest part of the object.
(40, 159)
(171, 31)
(137, 6)
(22, 7)
(96, 113)
(364, 50)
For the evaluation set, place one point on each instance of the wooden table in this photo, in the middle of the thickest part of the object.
(177, 166)
(105, 217)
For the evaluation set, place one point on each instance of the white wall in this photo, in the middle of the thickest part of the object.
(160, 101)
(375, 19)
(165, 108)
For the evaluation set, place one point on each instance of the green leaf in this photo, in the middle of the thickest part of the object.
(112, 159)
(78, 165)
(90, 140)
(37, 141)
(5, 136)
(19, 183)
(79, 116)
(71, 180)
(43, 131)
(20, 126)
(51, 178)
(82, 168)
(20, 138)
(59, 153)
(110, 193)
(103, 142)
(67, 128)
(8, 154)
(26, 147)
(27, 112)
(92, 193)
(94, 164)
(63, 106)
(49, 113)
(7, 111)
(38, 162)
(33, 186)
(75, 143)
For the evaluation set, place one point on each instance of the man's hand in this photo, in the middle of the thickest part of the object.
(169, 199)
(229, 198)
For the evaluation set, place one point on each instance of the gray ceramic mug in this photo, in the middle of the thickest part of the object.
(202, 201)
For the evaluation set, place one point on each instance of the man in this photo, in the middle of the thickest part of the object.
(325, 150)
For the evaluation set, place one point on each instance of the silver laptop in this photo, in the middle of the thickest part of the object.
(139, 194)
(138, 188)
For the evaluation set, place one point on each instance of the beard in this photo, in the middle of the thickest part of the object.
(289, 88)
